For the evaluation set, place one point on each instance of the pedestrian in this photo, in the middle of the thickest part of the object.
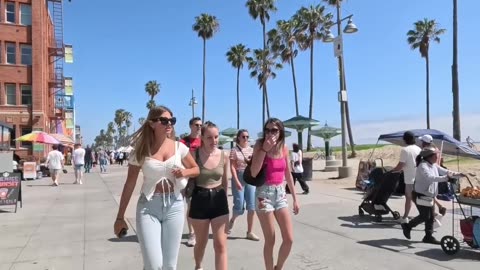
(243, 193)
(209, 205)
(102, 160)
(408, 165)
(427, 176)
(88, 163)
(78, 158)
(193, 142)
(55, 162)
(166, 165)
(297, 169)
(271, 155)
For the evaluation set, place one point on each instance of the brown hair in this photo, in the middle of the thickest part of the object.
(281, 129)
(144, 137)
(206, 126)
(240, 131)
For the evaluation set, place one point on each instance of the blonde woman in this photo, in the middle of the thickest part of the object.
(271, 154)
(243, 193)
(209, 205)
(166, 165)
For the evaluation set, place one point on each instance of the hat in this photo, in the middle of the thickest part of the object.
(426, 138)
(428, 151)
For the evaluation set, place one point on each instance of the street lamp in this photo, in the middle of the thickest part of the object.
(344, 171)
(193, 102)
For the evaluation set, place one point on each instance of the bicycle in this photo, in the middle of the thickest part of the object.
(319, 155)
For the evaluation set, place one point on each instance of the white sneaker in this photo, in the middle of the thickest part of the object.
(404, 220)
(80, 182)
(191, 240)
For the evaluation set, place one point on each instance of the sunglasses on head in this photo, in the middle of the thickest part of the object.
(271, 130)
(165, 121)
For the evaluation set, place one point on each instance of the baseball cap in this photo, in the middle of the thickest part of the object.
(426, 138)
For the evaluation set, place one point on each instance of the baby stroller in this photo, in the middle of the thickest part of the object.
(382, 184)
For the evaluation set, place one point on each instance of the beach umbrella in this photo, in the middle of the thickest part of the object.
(229, 132)
(63, 139)
(38, 137)
(299, 123)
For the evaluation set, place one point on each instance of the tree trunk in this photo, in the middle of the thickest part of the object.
(455, 86)
(204, 66)
(264, 92)
(310, 112)
(238, 98)
(299, 133)
(427, 62)
(266, 99)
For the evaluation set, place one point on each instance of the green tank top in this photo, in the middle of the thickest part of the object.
(209, 177)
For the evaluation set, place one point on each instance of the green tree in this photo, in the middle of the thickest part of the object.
(312, 22)
(152, 88)
(206, 26)
(141, 121)
(237, 56)
(262, 66)
(419, 38)
(260, 9)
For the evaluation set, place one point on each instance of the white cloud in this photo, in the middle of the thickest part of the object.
(367, 132)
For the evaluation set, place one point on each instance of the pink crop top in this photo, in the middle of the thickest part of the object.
(274, 170)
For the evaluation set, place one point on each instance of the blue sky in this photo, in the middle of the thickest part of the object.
(120, 45)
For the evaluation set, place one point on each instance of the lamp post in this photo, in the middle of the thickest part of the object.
(344, 171)
(193, 102)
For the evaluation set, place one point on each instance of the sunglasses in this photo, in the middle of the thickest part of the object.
(165, 121)
(271, 130)
(245, 137)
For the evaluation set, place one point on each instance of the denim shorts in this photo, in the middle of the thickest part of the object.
(271, 198)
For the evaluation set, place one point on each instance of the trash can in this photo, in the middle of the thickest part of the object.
(307, 164)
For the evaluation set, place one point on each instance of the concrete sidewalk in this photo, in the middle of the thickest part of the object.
(70, 227)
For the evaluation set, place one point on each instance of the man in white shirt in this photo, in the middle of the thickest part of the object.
(55, 163)
(407, 164)
(78, 159)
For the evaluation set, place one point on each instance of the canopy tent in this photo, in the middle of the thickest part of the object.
(445, 142)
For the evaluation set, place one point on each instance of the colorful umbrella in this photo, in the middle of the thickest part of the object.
(38, 137)
(63, 139)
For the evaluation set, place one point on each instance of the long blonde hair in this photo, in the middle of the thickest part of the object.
(144, 137)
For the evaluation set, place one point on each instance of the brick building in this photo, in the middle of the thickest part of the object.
(31, 68)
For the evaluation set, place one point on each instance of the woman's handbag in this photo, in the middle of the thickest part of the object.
(424, 200)
(256, 181)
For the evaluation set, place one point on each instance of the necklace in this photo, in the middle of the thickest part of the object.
(207, 153)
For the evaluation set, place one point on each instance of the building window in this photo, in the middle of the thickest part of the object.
(10, 12)
(11, 92)
(13, 135)
(26, 94)
(25, 131)
(11, 53)
(26, 54)
(25, 14)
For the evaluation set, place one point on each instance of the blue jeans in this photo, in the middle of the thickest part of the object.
(103, 165)
(244, 197)
(159, 229)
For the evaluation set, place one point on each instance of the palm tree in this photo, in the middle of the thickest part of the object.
(141, 120)
(312, 22)
(260, 9)
(206, 26)
(262, 65)
(419, 38)
(237, 56)
(282, 41)
(110, 132)
(455, 86)
(127, 116)
(152, 88)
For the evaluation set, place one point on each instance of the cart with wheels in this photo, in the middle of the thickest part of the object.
(465, 224)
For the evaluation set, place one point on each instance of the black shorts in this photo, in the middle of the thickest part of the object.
(208, 203)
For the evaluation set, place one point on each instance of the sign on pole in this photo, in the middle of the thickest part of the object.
(337, 46)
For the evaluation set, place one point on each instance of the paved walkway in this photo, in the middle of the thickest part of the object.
(70, 227)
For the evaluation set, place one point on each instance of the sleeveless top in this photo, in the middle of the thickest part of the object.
(209, 177)
(275, 169)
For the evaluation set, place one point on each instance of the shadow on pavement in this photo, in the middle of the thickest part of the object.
(129, 238)
(392, 244)
(367, 222)
(439, 255)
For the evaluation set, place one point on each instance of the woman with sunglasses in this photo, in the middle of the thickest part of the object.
(271, 154)
(166, 166)
(243, 193)
(209, 205)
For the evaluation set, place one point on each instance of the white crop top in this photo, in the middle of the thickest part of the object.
(156, 171)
